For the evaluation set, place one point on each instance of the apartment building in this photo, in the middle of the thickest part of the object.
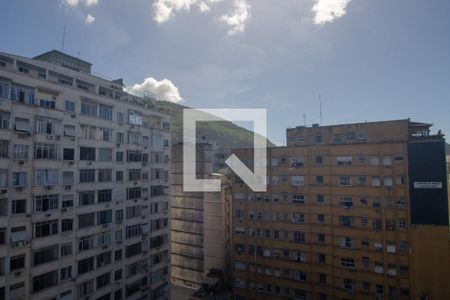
(200, 222)
(356, 211)
(84, 184)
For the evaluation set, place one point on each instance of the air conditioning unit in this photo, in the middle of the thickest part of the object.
(73, 116)
(119, 222)
(4, 191)
(64, 209)
(21, 162)
(118, 145)
(57, 137)
(67, 187)
(28, 215)
(49, 137)
(105, 247)
(89, 163)
(19, 189)
(105, 225)
(48, 215)
(72, 139)
(18, 273)
(71, 163)
(119, 242)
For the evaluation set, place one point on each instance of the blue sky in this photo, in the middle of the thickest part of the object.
(374, 60)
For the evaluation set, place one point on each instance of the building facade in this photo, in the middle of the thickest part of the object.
(84, 181)
(200, 222)
(357, 211)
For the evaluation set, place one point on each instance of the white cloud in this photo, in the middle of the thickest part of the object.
(237, 19)
(161, 90)
(75, 3)
(328, 10)
(91, 2)
(165, 10)
(89, 19)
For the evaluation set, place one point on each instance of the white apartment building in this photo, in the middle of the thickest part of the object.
(84, 185)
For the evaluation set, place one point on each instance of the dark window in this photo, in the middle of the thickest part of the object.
(68, 154)
(87, 153)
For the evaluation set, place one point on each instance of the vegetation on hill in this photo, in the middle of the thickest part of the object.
(226, 134)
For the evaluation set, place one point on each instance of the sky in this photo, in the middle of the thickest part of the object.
(368, 60)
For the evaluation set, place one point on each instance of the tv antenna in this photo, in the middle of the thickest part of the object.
(63, 39)
(320, 109)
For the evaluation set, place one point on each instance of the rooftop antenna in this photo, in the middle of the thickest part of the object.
(304, 120)
(320, 109)
(63, 39)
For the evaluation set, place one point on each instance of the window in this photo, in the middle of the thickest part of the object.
(104, 175)
(68, 178)
(297, 162)
(87, 198)
(22, 125)
(120, 117)
(87, 153)
(320, 199)
(374, 160)
(299, 199)
(4, 117)
(103, 259)
(16, 290)
(348, 262)
(297, 180)
(299, 237)
(134, 174)
(88, 109)
(46, 228)
(338, 138)
(298, 218)
(344, 160)
(346, 221)
(87, 175)
(45, 281)
(345, 181)
(86, 220)
(133, 193)
(20, 152)
(104, 196)
(66, 225)
(299, 275)
(134, 118)
(45, 255)
(103, 280)
(70, 130)
(67, 201)
(346, 202)
(68, 154)
(133, 250)
(134, 155)
(104, 154)
(119, 215)
(376, 181)
(106, 134)
(18, 206)
(47, 103)
(17, 262)
(45, 203)
(66, 273)
(387, 181)
(119, 175)
(350, 136)
(105, 112)
(45, 126)
(46, 151)
(319, 160)
(4, 149)
(387, 160)
(104, 217)
(133, 211)
(319, 179)
(69, 106)
(85, 265)
(66, 249)
(46, 177)
(19, 179)
(88, 132)
(134, 137)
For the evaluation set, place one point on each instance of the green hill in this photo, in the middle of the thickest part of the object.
(226, 134)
